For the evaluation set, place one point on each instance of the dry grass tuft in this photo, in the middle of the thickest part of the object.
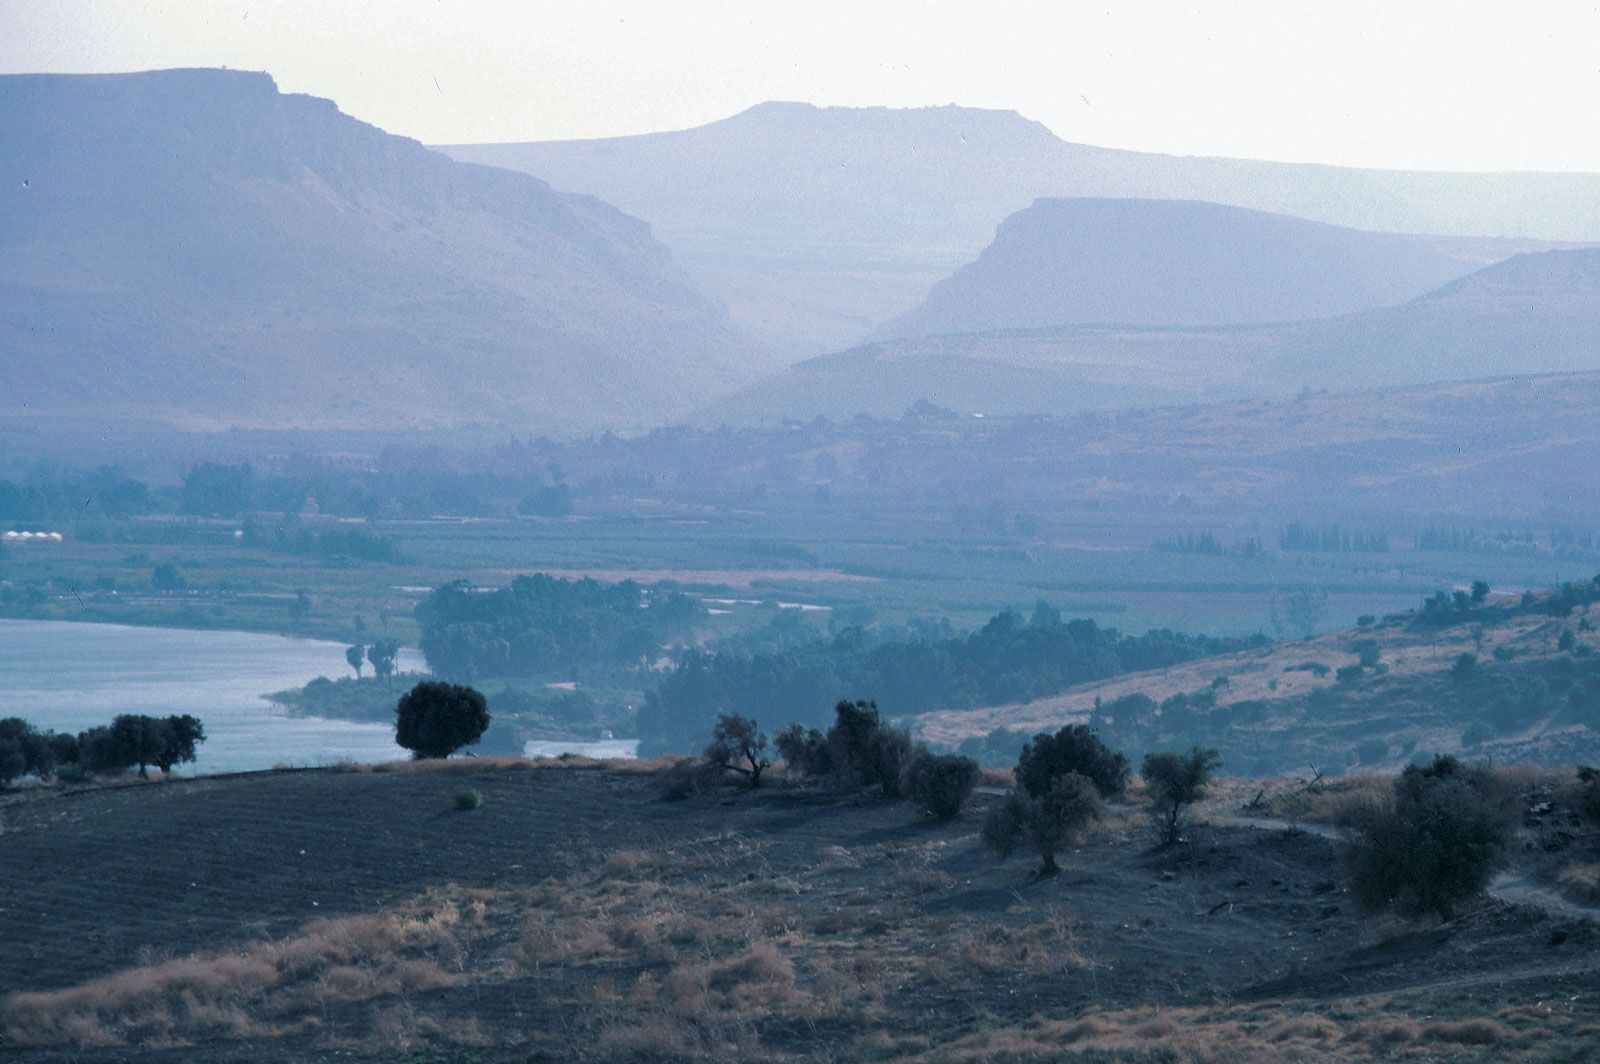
(348, 959)
(1302, 1029)
(654, 1040)
(1159, 1029)
(1479, 1032)
(760, 977)
(630, 864)
(1386, 1031)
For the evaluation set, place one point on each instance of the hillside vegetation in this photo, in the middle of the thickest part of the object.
(1508, 680)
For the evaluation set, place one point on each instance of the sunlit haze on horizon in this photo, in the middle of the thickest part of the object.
(1480, 86)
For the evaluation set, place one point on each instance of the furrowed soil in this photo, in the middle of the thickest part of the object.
(575, 915)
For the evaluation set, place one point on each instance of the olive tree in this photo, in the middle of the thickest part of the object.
(1438, 841)
(1047, 822)
(739, 745)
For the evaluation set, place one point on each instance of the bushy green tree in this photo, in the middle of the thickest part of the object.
(1047, 822)
(181, 736)
(1075, 748)
(24, 751)
(436, 719)
(1436, 843)
(1175, 782)
(941, 783)
(355, 654)
(138, 740)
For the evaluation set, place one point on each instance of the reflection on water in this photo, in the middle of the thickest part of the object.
(70, 676)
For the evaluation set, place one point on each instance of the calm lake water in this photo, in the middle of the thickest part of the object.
(70, 676)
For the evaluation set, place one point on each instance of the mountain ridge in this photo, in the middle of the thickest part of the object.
(1166, 263)
(816, 225)
(1477, 326)
(194, 245)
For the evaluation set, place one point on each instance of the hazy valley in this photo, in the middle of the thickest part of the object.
(847, 583)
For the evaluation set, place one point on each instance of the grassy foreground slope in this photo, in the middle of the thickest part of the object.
(330, 914)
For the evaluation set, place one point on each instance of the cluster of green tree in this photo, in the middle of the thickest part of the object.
(1207, 544)
(542, 626)
(1445, 608)
(103, 492)
(858, 751)
(519, 713)
(1509, 697)
(1563, 542)
(1331, 538)
(131, 740)
(1010, 659)
(404, 485)
(1064, 779)
(289, 536)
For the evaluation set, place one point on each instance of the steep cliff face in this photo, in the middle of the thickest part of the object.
(194, 245)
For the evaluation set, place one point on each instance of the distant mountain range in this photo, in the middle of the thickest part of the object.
(193, 246)
(818, 224)
(1172, 262)
(1534, 313)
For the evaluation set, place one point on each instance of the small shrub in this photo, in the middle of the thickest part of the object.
(469, 800)
(1175, 781)
(1350, 673)
(941, 783)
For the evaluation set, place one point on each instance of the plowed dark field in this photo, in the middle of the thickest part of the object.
(946, 954)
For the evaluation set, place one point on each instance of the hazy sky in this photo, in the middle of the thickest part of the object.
(1396, 83)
